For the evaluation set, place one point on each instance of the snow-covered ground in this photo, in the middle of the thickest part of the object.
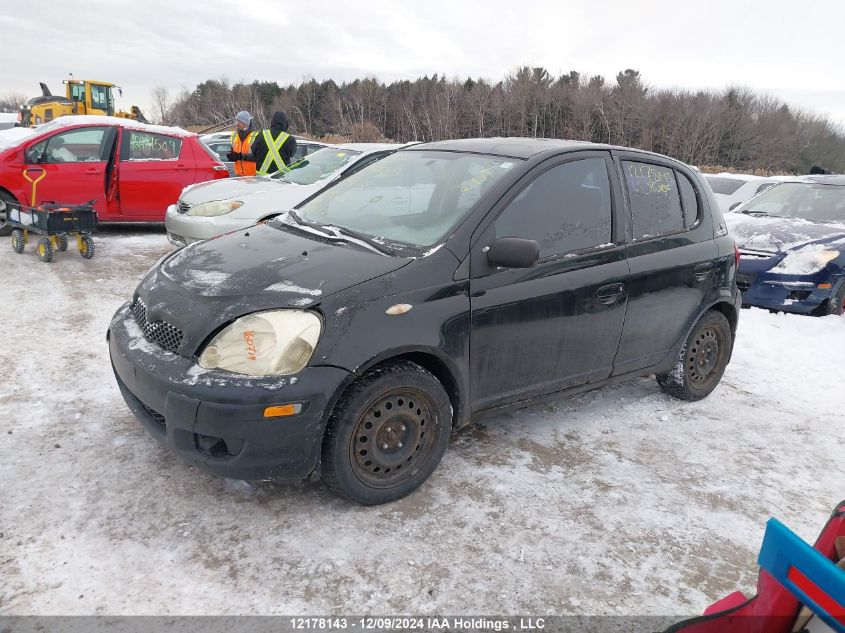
(619, 501)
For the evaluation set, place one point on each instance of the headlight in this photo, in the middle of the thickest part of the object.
(218, 207)
(274, 343)
(805, 262)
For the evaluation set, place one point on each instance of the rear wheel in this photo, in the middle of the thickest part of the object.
(45, 249)
(9, 199)
(18, 241)
(387, 434)
(702, 360)
(62, 242)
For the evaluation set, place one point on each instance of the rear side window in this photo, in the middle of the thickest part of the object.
(147, 146)
(655, 201)
(565, 209)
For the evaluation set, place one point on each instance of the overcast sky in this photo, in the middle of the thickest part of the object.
(791, 50)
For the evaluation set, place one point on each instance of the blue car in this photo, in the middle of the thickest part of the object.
(791, 240)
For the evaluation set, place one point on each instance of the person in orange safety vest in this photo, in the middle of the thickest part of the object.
(242, 138)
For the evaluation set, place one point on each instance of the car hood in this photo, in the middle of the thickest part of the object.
(777, 235)
(206, 285)
(228, 188)
(261, 260)
(284, 198)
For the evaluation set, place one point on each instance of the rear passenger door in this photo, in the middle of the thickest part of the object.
(153, 170)
(672, 256)
(542, 329)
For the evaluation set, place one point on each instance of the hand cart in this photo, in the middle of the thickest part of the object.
(55, 223)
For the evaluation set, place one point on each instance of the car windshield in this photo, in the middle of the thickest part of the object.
(725, 186)
(321, 164)
(805, 200)
(411, 198)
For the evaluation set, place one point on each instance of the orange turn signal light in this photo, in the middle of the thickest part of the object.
(282, 410)
(825, 286)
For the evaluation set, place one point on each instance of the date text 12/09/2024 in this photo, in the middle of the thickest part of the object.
(418, 623)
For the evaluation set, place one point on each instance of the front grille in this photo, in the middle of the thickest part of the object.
(157, 417)
(177, 240)
(744, 281)
(160, 332)
(182, 207)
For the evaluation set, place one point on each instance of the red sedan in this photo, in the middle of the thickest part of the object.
(132, 171)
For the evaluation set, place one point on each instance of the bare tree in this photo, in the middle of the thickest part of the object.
(161, 104)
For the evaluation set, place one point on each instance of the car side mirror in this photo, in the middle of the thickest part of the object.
(734, 206)
(513, 252)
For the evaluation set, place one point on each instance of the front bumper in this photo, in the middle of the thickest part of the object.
(215, 419)
(183, 229)
(776, 292)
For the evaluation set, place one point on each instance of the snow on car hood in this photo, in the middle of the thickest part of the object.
(262, 260)
(14, 136)
(228, 188)
(260, 196)
(776, 235)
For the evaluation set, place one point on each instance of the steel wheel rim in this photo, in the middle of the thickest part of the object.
(705, 356)
(393, 437)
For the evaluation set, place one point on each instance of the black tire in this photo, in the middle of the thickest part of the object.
(702, 360)
(18, 241)
(45, 249)
(836, 304)
(9, 199)
(62, 240)
(86, 249)
(400, 406)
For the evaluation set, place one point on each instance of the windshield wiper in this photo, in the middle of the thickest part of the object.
(341, 231)
(752, 212)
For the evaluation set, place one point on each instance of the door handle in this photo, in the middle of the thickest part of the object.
(610, 293)
(398, 199)
(93, 170)
(702, 271)
(181, 167)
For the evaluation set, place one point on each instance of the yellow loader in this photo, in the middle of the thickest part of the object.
(82, 96)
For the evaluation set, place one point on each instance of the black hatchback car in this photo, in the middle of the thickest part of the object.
(348, 337)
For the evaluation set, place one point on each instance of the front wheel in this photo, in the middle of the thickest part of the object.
(836, 304)
(702, 360)
(45, 249)
(387, 434)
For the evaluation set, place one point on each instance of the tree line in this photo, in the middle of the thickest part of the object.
(736, 129)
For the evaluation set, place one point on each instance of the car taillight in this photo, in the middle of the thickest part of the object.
(737, 254)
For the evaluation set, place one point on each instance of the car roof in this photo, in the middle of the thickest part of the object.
(743, 177)
(516, 147)
(527, 147)
(836, 179)
(367, 147)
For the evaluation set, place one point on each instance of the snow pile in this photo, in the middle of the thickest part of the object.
(616, 501)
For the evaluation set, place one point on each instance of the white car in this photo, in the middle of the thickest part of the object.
(206, 210)
(731, 190)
